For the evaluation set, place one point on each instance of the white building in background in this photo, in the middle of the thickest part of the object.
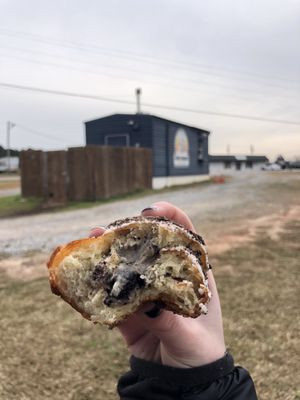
(222, 164)
(5, 164)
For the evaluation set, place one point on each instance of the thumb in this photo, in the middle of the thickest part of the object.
(168, 210)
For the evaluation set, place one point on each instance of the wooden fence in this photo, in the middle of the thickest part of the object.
(85, 173)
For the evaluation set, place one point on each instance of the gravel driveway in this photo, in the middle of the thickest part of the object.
(205, 204)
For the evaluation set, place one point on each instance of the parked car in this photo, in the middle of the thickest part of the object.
(12, 165)
(294, 165)
(271, 167)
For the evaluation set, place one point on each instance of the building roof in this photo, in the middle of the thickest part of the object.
(150, 116)
(258, 158)
(224, 158)
(221, 158)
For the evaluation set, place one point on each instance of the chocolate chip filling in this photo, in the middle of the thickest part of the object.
(136, 255)
(122, 286)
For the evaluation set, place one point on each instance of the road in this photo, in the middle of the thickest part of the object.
(242, 197)
(9, 185)
(10, 192)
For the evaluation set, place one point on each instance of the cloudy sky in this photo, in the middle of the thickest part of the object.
(233, 57)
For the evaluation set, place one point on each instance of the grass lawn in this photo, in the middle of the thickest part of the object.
(49, 352)
(16, 205)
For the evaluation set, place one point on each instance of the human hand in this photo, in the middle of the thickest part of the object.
(168, 338)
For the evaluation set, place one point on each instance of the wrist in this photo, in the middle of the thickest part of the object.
(210, 356)
(197, 355)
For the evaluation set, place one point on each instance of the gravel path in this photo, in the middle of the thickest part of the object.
(10, 179)
(203, 203)
(7, 177)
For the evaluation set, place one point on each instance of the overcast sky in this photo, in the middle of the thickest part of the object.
(236, 57)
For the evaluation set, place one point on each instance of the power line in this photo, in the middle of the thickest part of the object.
(122, 68)
(185, 88)
(160, 106)
(145, 58)
(64, 93)
(38, 133)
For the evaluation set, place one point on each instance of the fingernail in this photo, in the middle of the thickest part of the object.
(154, 312)
(153, 208)
(99, 227)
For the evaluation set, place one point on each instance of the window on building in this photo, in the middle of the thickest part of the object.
(200, 148)
(227, 164)
(249, 164)
(119, 140)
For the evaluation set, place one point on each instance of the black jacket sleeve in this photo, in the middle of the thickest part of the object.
(220, 380)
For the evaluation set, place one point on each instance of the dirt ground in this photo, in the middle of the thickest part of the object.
(252, 228)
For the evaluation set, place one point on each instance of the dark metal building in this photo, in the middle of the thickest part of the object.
(180, 152)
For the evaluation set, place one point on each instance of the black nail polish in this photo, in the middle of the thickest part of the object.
(154, 312)
(149, 209)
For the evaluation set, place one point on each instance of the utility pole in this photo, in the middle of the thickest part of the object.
(251, 149)
(138, 93)
(228, 149)
(9, 126)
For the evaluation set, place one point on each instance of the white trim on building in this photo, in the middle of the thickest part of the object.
(159, 182)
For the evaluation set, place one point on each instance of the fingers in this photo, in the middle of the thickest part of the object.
(160, 208)
(154, 312)
(95, 232)
(132, 330)
(165, 325)
(168, 210)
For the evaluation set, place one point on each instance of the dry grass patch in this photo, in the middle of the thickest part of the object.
(260, 302)
(49, 351)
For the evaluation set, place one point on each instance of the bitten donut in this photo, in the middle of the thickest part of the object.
(136, 260)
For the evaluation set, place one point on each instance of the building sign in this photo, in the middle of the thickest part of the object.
(181, 155)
